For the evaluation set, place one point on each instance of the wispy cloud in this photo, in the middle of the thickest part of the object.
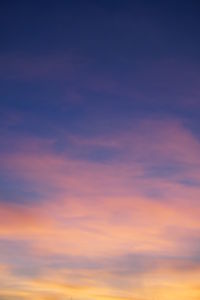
(127, 217)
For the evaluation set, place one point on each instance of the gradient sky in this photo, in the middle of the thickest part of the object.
(100, 150)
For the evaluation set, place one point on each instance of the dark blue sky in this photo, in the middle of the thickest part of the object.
(77, 63)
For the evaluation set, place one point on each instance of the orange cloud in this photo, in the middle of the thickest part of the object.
(104, 210)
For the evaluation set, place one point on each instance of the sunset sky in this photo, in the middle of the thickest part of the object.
(100, 150)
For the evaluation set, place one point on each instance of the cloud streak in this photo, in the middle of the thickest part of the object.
(106, 224)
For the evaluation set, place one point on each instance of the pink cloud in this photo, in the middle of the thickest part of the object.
(96, 209)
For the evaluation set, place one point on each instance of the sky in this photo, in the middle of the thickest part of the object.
(100, 150)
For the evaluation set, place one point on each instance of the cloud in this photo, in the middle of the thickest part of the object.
(107, 226)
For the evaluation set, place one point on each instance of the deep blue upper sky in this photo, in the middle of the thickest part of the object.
(92, 65)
